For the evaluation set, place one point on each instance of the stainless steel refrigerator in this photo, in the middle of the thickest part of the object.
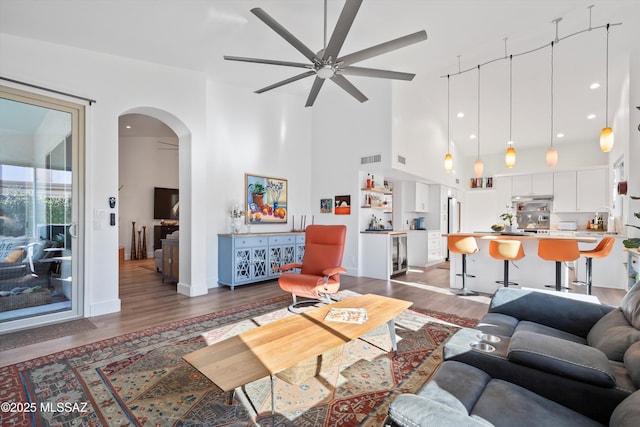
(453, 217)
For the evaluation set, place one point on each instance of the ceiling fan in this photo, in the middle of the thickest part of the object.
(326, 64)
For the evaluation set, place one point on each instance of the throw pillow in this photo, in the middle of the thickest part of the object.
(630, 305)
(613, 334)
(15, 255)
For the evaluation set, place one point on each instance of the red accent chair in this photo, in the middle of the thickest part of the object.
(321, 266)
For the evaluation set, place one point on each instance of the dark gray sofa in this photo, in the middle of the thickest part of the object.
(462, 395)
(584, 356)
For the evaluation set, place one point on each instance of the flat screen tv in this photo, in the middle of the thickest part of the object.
(166, 203)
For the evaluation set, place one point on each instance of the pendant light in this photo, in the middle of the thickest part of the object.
(448, 158)
(552, 153)
(606, 136)
(510, 156)
(478, 167)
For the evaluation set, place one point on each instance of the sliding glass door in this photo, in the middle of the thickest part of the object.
(41, 139)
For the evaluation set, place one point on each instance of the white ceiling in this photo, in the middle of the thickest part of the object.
(195, 34)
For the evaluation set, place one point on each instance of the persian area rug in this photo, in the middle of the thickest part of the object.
(141, 379)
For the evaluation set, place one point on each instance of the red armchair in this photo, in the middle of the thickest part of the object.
(321, 266)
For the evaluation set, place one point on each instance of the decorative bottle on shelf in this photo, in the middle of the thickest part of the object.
(368, 181)
(373, 182)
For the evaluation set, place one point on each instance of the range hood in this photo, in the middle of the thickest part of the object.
(533, 198)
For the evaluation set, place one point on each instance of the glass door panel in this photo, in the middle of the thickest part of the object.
(38, 193)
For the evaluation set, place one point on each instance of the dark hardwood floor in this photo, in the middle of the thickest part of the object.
(147, 302)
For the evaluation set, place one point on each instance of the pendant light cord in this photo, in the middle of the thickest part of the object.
(510, 96)
(552, 94)
(606, 107)
(448, 115)
(478, 136)
(325, 24)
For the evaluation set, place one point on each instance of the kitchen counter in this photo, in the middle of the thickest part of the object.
(534, 272)
(382, 232)
(523, 236)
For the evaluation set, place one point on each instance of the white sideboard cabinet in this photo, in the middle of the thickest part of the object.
(250, 258)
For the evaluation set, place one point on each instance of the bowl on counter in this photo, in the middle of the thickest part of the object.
(498, 227)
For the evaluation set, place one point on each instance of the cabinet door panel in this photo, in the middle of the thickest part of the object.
(542, 184)
(242, 267)
(564, 191)
(592, 189)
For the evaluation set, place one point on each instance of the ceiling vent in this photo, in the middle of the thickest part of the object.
(402, 160)
(376, 158)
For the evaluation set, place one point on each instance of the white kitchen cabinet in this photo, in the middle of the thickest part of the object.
(564, 191)
(434, 245)
(503, 185)
(417, 197)
(592, 185)
(539, 184)
(417, 247)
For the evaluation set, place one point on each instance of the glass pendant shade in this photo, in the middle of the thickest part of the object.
(448, 162)
(510, 157)
(478, 168)
(606, 140)
(552, 157)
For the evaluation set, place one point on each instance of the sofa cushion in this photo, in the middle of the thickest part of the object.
(505, 405)
(546, 330)
(613, 334)
(632, 363)
(627, 413)
(561, 357)
(630, 305)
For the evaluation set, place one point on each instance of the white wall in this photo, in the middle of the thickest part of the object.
(118, 85)
(142, 166)
(267, 134)
(632, 165)
(343, 131)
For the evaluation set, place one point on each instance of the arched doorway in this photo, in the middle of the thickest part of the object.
(152, 147)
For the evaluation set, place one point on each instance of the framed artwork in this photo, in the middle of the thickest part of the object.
(266, 199)
(326, 205)
(343, 205)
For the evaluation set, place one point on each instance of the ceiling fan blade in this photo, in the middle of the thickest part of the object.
(347, 86)
(371, 72)
(315, 89)
(348, 14)
(370, 52)
(268, 61)
(285, 34)
(286, 81)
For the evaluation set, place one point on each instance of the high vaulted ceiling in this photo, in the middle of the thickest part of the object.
(195, 34)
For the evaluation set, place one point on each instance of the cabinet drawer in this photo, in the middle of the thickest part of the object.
(300, 238)
(433, 234)
(434, 244)
(248, 242)
(281, 240)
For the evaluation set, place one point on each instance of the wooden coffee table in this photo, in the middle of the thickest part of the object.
(274, 347)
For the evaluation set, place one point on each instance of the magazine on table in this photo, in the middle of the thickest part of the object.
(347, 315)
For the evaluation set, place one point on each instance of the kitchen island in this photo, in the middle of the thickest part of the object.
(383, 253)
(532, 271)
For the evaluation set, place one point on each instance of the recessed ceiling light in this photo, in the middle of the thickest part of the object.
(128, 126)
(560, 135)
(594, 85)
(472, 136)
(460, 114)
(591, 116)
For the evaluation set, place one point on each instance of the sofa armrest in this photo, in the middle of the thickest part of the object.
(561, 357)
(409, 410)
(568, 315)
(288, 267)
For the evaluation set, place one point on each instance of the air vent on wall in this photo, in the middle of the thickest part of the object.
(376, 158)
(402, 160)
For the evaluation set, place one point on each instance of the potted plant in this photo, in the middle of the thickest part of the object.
(633, 242)
(509, 217)
(257, 193)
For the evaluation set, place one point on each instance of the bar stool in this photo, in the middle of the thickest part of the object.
(558, 250)
(506, 250)
(600, 251)
(463, 245)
